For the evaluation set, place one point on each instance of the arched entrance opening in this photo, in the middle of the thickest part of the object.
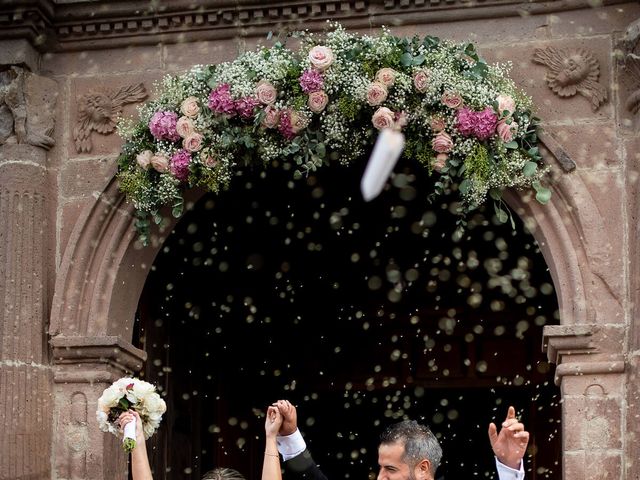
(358, 313)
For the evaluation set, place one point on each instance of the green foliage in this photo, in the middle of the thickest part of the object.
(348, 107)
(133, 181)
(477, 165)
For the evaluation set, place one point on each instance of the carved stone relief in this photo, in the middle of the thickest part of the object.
(99, 110)
(572, 72)
(631, 65)
(78, 436)
(26, 116)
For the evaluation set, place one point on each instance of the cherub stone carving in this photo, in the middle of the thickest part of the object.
(99, 110)
(572, 72)
(14, 110)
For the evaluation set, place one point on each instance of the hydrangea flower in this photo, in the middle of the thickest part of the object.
(180, 165)
(163, 126)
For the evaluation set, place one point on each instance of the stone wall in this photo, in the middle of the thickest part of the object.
(72, 272)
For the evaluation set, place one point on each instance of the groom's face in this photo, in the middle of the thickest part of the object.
(392, 467)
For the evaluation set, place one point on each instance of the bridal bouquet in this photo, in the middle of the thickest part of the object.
(130, 394)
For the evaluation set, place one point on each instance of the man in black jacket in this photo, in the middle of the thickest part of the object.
(408, 450)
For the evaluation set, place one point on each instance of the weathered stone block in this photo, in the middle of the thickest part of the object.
(98, 62)
(598, 21)
(589, 146)
(69, 213)
(491, 31)
(182, 56)
(593, 465)
(81, 178)
(595, 421)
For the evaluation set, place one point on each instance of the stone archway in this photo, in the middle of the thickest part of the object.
(103, 272)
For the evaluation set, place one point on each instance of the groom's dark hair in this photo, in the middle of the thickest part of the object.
(418, 440)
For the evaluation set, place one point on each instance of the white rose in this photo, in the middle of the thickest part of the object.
(321, 57)
(110, 397)
(142, 389)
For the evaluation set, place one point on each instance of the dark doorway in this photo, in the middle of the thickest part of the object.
(359, 313)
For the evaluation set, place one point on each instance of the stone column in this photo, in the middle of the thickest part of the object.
(591, 374)
(25, 374)
(628, 80)
(83, 368)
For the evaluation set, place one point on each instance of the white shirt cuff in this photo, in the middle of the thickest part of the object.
(507, 473)
(291, 446)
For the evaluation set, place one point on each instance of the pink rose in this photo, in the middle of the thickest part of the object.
(185, 127)
(437, 123)
(383, 118)
(421, 80)
(209, 160)
(271, 117)
(506, 102)
(451, 99)
(440, 162)
(376, 93)
(442, 143)
(266, 92)
(193, 142)
(321, 57)
(506, 131)
(298, 121)
(386, 76)
(189, 107)
(317, 101)
(160, 162)
(144, 159)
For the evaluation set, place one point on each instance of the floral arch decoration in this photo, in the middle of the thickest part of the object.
(465, 121)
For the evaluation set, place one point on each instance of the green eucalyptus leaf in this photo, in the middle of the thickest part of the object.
(513, 145)
(419, 60)
(495, 193)
(503, 217)
(464, 186)
(530, 169)
(406, 60)
(543, 195)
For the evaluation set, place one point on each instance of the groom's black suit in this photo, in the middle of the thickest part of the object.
(304, 467)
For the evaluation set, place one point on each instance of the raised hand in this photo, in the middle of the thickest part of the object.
(510, 444)
(128, 416)
(289, 415)
(273, 422)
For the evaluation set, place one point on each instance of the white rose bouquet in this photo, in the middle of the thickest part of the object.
(130, 394)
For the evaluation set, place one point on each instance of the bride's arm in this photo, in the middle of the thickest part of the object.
(140, 468)
(271, 465)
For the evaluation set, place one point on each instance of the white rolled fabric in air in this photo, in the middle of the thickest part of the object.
(384, 157)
